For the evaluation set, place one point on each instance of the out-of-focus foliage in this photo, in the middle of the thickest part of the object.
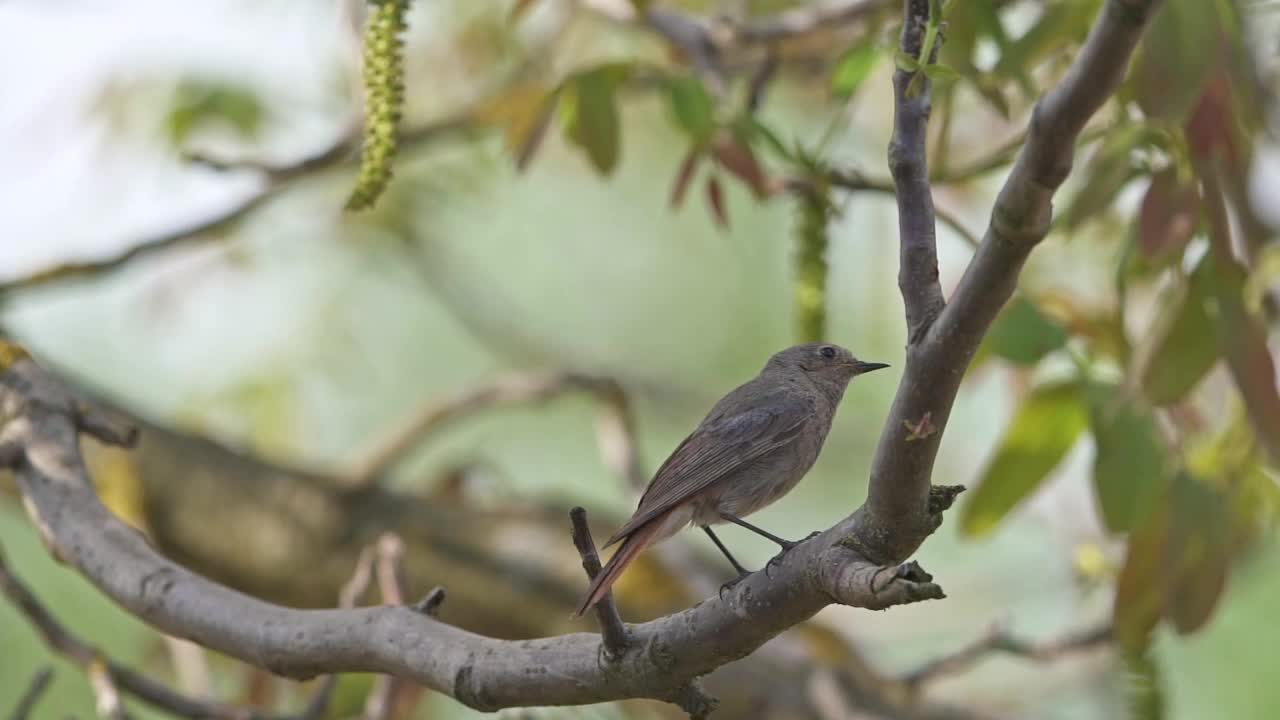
(1149, 368)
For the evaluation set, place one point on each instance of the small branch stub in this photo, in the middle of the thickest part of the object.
(612, 629)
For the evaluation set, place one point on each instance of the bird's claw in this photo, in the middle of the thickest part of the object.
(733, 583)
(787, 546)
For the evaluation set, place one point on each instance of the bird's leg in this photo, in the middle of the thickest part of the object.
(785, 544)
(742, 572)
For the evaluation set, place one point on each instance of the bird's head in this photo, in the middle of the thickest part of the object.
(825, 362)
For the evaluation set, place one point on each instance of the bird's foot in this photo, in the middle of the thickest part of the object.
(787, 546)
(742, 575)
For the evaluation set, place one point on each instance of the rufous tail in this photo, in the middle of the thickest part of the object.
(638, 540)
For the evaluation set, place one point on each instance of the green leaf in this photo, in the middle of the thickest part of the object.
(753, 129)
(1044, 429)
(1182, 355)
(691, 106)
(853, 68)
(1022, 334)
(941, 73)
(1177, 55)
(905, 62)
(1058, 27)
(1129, 467)
(1198, 553)
(592, 116)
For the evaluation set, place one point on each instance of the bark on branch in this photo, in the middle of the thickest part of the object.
(663, 660)
(940, 349)
(855, 563)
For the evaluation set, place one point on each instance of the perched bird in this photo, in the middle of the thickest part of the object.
(750, 450)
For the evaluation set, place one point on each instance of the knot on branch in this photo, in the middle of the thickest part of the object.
(852, 580)
(942, 497)
(691, 698)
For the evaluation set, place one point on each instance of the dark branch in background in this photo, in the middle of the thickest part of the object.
(856, 182)
(1000, 640)
(612, 630)
(27, 702)
(94, 664)
(615, 427)
(901, 470)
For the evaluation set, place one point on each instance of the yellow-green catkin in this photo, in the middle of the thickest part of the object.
(814, 212)
(383, 99)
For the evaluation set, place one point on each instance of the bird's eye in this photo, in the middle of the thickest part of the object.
(828, 351)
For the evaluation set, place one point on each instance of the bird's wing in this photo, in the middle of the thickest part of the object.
(716, 449)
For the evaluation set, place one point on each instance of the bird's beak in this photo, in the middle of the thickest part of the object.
(860, 367)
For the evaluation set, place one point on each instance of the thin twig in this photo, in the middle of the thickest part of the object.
(381, 700)
(100, 668)
(27, 702)
(855, 182)
(612, 629)
(274, 180)
(519, 388)
(999, 640)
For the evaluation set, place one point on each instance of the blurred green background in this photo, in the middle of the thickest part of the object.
(303, 334)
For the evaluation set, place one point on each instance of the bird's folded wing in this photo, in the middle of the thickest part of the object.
(717, 449)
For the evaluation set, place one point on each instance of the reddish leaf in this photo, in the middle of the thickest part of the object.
(715, 200)
(684, 175)
(1168, 218)
(736, 157)
(1177, 55)
(1243, 337)
(519, 8)
(1211, 127)
(1140, 592)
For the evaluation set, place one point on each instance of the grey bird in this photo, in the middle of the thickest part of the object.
(751, 449)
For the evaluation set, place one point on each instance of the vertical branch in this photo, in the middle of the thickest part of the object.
(918, 264)
(944, 336)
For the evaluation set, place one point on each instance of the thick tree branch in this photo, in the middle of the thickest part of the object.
(935, 364)
(664, 656)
